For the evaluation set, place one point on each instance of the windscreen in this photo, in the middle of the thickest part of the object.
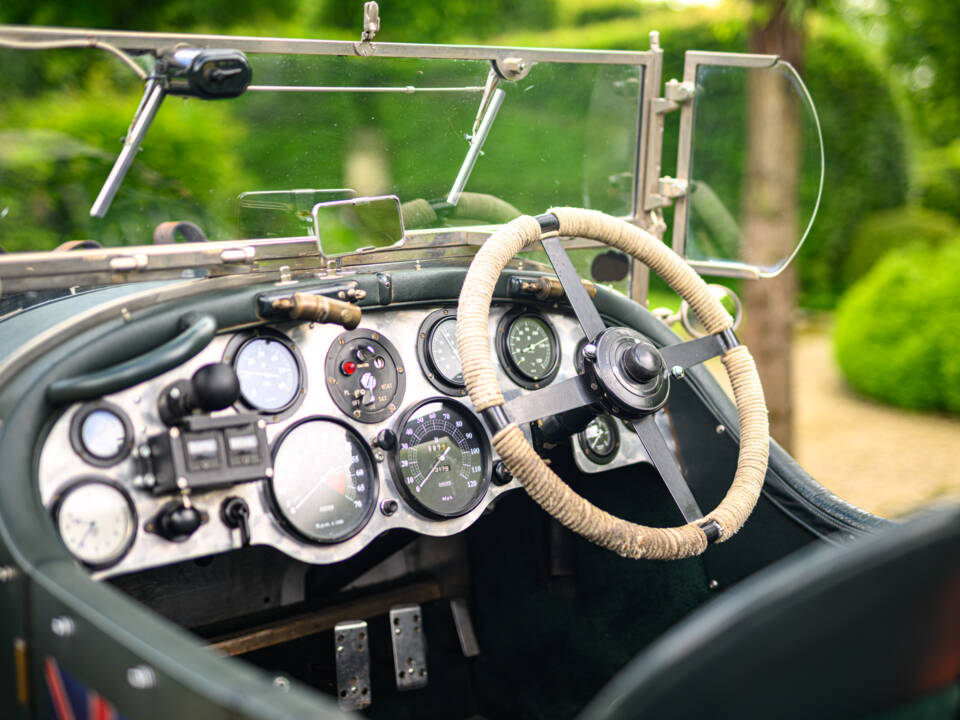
(310, 128)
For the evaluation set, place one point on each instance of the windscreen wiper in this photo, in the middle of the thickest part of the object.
(489, 107)
(209, 74)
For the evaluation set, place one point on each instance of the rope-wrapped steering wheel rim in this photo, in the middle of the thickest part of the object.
(541, 483)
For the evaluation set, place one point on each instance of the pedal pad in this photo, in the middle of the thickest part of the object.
(352, 650)
(409, 647)
(464, 626)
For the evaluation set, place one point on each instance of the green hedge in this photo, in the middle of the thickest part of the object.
(887, 230)
(896, 333)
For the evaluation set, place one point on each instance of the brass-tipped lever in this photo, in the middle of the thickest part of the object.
(317, 308)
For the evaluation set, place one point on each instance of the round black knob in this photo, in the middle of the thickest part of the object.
(501, 475)
(215, 386)
(642, 363)
(386, 440)
(179, 522)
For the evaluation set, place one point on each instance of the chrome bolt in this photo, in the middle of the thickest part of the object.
(590, 351)
(268, 472)
(713, 584)
(63, 626)
(678, 372)
(281, 683)
(174, 393)
(141, 677)
(721, 429)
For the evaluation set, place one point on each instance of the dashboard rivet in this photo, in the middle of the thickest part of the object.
(141, 677)
(378, 456)
(63, 626)
(713, 585)
(721, 429)
(677, 371)
(268, 472)
(590, 351)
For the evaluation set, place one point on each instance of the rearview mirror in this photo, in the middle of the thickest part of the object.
(362, 223)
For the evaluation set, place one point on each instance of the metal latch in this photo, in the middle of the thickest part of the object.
(409, 647)
(671, 187)
(371, 21)
(353, 664)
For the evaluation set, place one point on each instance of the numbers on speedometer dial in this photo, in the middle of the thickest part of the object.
(442, 459)
(324, 483)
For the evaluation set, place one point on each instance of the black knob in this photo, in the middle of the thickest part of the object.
(386, 440)
(501, 475)
(215, 387)
(236, 514)
(178, 522)
(642, 363)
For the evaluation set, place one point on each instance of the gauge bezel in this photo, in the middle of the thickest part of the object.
(590, 453)
(486, 463)
(236, 344)
(73, 485)
(425, 352)
(510, 367)
(274, 502)
(76, 435)
(331, 366)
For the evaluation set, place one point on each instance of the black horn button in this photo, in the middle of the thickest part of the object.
(642, 363)
(629, 372)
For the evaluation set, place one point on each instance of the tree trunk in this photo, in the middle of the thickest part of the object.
(770, 221)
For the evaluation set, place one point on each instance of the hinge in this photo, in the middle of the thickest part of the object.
(672, 188)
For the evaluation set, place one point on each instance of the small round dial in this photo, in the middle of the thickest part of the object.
(269, 374)
(600, 440)
(528, 348)
(96, 521)
(101, 434)
(324, 483)
(442, 459)
(364, 375)
(438, 353)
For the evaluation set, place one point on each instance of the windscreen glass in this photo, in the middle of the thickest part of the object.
(756, 167)
(309, 129)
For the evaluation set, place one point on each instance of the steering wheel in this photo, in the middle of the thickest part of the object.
(624, 375)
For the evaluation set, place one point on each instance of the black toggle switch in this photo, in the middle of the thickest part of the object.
(236, 515)
(177, 522)
(386, 440)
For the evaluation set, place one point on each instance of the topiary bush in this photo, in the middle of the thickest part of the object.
(887, 230)
(896, 335)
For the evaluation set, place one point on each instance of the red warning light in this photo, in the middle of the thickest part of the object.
(349, 367)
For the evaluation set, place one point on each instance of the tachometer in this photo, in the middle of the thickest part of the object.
(97, 521)
(324, 483)
(442, 459)
(364, 375)
(528, 348)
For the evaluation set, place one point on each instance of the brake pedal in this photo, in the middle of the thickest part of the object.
(409, 647)
(352, 651)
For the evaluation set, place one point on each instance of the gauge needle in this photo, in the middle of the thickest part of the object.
(435, 466)
(90, 529)
(451, 345)
(528, 348)
(322, 481)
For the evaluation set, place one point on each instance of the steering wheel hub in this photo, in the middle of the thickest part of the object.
(629, 373)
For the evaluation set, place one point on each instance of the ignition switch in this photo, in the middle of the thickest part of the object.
(236, 515)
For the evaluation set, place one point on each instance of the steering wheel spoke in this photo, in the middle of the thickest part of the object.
(583, 307)
(554, 399)
(666, 464)
(693, 352)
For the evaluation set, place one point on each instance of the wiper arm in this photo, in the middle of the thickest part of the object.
(489, 107)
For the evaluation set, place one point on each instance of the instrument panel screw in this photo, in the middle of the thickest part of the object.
(141, 677)
(63, 626)
(677, 371)
(281, 683)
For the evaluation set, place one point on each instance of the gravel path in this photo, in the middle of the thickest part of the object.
(886, 460)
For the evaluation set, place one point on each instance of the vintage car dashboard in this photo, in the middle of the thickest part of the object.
(337, 437)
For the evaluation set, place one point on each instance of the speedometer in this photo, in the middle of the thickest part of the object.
(442, 459)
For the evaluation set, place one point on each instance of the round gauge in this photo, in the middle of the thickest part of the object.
(438, 353)
(97, 522)
(528, 348)
(324, 483)
(600, 440)
(269, 373)
(101, 434)
(364, 375)
(442, 459)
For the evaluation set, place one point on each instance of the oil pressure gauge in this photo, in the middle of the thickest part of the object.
(97, 521)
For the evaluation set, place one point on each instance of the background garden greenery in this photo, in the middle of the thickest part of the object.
(885, 75)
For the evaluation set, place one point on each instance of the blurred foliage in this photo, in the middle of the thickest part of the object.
(886, 230)
(896, 333)
(936, 174)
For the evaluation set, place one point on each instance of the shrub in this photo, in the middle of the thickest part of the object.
(896, 333)
(887, 230)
